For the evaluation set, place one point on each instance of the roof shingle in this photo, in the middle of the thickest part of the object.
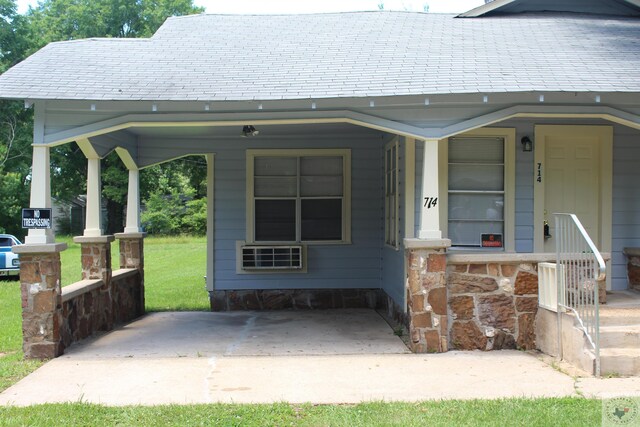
(233, 57)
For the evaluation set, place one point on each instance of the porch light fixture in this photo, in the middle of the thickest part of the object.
(527, 144)
(249, 130)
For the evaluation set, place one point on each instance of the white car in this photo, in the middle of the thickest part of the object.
(9, 262)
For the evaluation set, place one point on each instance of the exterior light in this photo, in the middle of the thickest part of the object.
(527, 144)
(249, 130)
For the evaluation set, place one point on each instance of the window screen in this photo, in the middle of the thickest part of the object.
(476, 189)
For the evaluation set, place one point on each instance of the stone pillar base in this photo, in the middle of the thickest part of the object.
(427, 294)
(633, 267)
(41, 300)
(132, 256)
(96, 264)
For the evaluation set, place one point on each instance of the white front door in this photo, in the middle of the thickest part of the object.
(573, 175)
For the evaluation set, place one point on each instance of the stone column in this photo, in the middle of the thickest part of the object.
(96, 264)
(427, 294)
(41, 299)
(132, 256)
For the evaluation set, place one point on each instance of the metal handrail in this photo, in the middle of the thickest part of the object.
(581, 269)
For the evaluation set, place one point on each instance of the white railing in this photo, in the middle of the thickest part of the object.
(581, 268)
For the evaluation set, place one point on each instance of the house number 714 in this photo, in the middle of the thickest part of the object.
(539, 175)
(430, 202)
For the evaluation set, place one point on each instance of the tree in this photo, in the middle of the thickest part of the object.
(15, 125)
(55, 20)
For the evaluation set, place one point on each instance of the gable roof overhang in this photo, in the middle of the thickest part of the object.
(622, 7)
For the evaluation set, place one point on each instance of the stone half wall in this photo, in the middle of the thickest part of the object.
(53, 317)
(89, 307)
(492, 306)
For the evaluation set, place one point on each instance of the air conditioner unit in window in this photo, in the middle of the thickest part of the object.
(272, 257)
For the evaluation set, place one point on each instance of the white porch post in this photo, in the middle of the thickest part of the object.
(133, 203)
(430, 203)
(93, 225)
(210, 222)
(40, 192)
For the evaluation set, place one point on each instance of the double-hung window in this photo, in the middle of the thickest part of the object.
(298, 196)
(476, 190)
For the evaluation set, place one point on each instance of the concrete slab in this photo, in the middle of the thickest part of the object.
(180, 358)
(259, 333)
(609, 387)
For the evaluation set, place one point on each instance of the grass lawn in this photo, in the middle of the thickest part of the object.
(174, 281)
(511, 412)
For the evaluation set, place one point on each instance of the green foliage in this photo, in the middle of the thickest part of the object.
(54, 20)
(69, 172)
(195, 219)
(13, 198)
(174, 213)
(15, 162)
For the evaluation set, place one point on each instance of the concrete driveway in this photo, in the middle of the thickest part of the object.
(329, 356)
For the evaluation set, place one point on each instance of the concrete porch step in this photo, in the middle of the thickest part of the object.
(623, 336)
(620, 361)
(619, 316)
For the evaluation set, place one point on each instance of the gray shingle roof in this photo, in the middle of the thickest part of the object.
(231, 57)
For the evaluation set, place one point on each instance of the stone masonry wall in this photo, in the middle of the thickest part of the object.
(633, 267)
(492, 306)
(299, 299)
(427, 300)
(54, 318)
(126, 291)
(95, 310)
(41, 302)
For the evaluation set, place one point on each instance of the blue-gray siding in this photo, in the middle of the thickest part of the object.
(357, 265)
(626, 200)
(393, 259)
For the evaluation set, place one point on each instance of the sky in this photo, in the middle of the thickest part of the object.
(318, 6)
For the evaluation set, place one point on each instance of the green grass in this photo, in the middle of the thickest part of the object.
(511, 412)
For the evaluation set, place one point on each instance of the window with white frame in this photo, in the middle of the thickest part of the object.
(476, 194)
(391, 205)
(298, 196)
